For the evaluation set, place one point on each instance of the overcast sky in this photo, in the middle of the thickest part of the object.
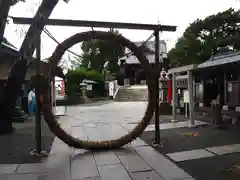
(167, 12)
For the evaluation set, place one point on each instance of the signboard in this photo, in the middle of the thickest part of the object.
(229, 87)
(185, 96)
(225, 107)
(215, 101)
(111, 88)
(126, 82)
(200, 88)
(238, 109)
(143, 82)
(89, 87)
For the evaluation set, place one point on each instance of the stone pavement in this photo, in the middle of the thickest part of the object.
(135, 161)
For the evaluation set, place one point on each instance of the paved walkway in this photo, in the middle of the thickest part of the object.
(101, 121)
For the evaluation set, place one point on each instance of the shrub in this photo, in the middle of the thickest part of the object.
(75, 77)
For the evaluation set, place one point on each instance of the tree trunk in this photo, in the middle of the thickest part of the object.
(17, 74)
(4, 9)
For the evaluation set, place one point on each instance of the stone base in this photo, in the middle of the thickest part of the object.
(165, 108)
(192, 125)
(6, 130)
(18, 115)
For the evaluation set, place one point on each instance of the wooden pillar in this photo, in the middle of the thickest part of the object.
(53, 96)
(194, 88)
(38, 128)
(174, 98)
(157, 69)
(225, 86)
(191, 102)
(238, 89)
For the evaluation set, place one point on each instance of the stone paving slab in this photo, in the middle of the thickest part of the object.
(22, 177)
(137, 143)
(90, 125)
(116, 130)
(134, 163)
(148, 175)
(32, 168)
(167, 169)
(8, 168)
(124, 151)
(113, 172)
(163, 126)
(190, 155)
(106, 122)
(84, 166)
(94, 134)
(227, 149)
(90, 178)
(105, 158)
(101, 123)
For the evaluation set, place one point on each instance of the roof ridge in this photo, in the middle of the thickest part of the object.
(224, 55)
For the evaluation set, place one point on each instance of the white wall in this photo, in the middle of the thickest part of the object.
(151, 58)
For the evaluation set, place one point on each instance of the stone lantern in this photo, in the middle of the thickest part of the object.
(83, 87)
(164, 106)
(164, 85)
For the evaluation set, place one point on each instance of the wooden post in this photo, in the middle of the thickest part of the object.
(191, 103)
(186, 109)
(238, 89)
(174, 98)
(53, 96)
(225, 86)
(38, 135)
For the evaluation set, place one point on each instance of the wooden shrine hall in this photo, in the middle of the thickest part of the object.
(216, 79)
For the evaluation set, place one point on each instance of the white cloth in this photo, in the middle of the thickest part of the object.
(31, 95)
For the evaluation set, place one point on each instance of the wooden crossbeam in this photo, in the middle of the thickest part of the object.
(100, 24)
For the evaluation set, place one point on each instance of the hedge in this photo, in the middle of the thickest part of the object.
(75, 77)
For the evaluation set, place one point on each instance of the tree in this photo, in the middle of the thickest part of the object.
(17, 74)
(205, 38)
(4, 10)
(97, 52)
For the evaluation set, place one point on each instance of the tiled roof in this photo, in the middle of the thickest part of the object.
(221, 59)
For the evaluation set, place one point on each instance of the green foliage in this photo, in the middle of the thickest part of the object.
(204, 38)
(75, 77)
(97, 52)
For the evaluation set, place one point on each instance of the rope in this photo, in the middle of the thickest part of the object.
(55, 40)
(106, 144)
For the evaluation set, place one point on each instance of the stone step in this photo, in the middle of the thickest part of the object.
(131, 94)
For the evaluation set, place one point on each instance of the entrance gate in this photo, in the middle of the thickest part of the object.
(47, 74)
